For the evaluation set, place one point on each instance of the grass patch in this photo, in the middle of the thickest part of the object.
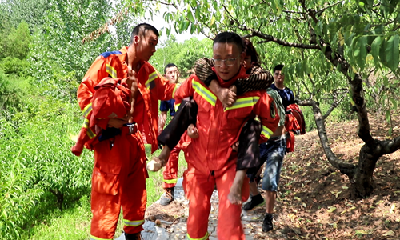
(74, 223)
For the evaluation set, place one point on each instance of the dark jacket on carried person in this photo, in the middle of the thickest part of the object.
(248, 150)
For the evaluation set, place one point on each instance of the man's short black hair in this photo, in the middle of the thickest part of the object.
(278, 67)
(141, 30)
(230, 37)
(168, 66)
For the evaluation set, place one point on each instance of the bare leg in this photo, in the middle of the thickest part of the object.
(270, 201)
(253, 189)
(235, 194)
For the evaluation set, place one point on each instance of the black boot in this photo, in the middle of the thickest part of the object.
(254, 202)
(167, 197)
(267, 223)
(135, 236)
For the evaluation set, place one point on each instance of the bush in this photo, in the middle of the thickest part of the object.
(38, 173)
(17, 66)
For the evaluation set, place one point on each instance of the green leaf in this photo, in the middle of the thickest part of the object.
(388, 116)
(392, 52)
(189, 16)
(394, 102)
(299, 69)
(362, 44)
(382, 52)
(376, 44)
(278, 7)
(215, 4)
(212, 21)
(331, 209)
(192, 28)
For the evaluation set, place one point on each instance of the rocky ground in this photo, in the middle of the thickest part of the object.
(314, 200)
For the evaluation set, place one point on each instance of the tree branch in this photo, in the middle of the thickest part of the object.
(343, 167)
(364, 129)
(166, 3)
(103, 29)
(391, 146)
(270, 38)
(319, 12)
(291, 11)
(335, 103)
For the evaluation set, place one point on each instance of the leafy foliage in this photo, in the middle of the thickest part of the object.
(57, 46)
(15, 42)
(39, 76)
(183, 54)
(364, 33)
(38, 171)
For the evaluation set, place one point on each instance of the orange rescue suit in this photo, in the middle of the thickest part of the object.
(119, 174)
(170, 173)
(110, 100)
(210, 157)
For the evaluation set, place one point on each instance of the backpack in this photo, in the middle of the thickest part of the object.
(297, 115)
(294, 123)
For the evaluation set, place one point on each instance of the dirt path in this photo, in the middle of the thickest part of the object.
(314, 199)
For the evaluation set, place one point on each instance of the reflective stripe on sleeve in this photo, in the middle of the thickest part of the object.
(176, 87)
(176, 106)
(152, 76)
(204, 93)
(110, 70)
(133, 223)
(87, 110)
(266, 132)
(89, 131)
(244, 102)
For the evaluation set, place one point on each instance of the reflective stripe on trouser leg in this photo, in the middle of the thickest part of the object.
(170, 173)
(132, 223)
(106, 204)
(96, 238)
(134, 200)
(203, 238)
(198, 189)
(229, 215)
(105, 201)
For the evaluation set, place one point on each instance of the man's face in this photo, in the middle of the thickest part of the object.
(278, 76)
(172, 74)
(227, 59)
(146, 45)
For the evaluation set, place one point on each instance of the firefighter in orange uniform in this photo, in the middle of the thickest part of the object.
(210, 157)
(119, 174)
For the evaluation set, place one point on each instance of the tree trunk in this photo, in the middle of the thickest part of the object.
(363, 179)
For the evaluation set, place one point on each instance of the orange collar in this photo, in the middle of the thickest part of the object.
(240, 74)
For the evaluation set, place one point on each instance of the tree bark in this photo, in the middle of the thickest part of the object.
(343, 167)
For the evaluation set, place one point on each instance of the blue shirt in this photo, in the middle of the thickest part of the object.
(168, 105)
(286, 94)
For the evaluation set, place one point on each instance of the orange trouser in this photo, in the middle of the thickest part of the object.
(170, 173)
(199, 186)
(119, 181)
